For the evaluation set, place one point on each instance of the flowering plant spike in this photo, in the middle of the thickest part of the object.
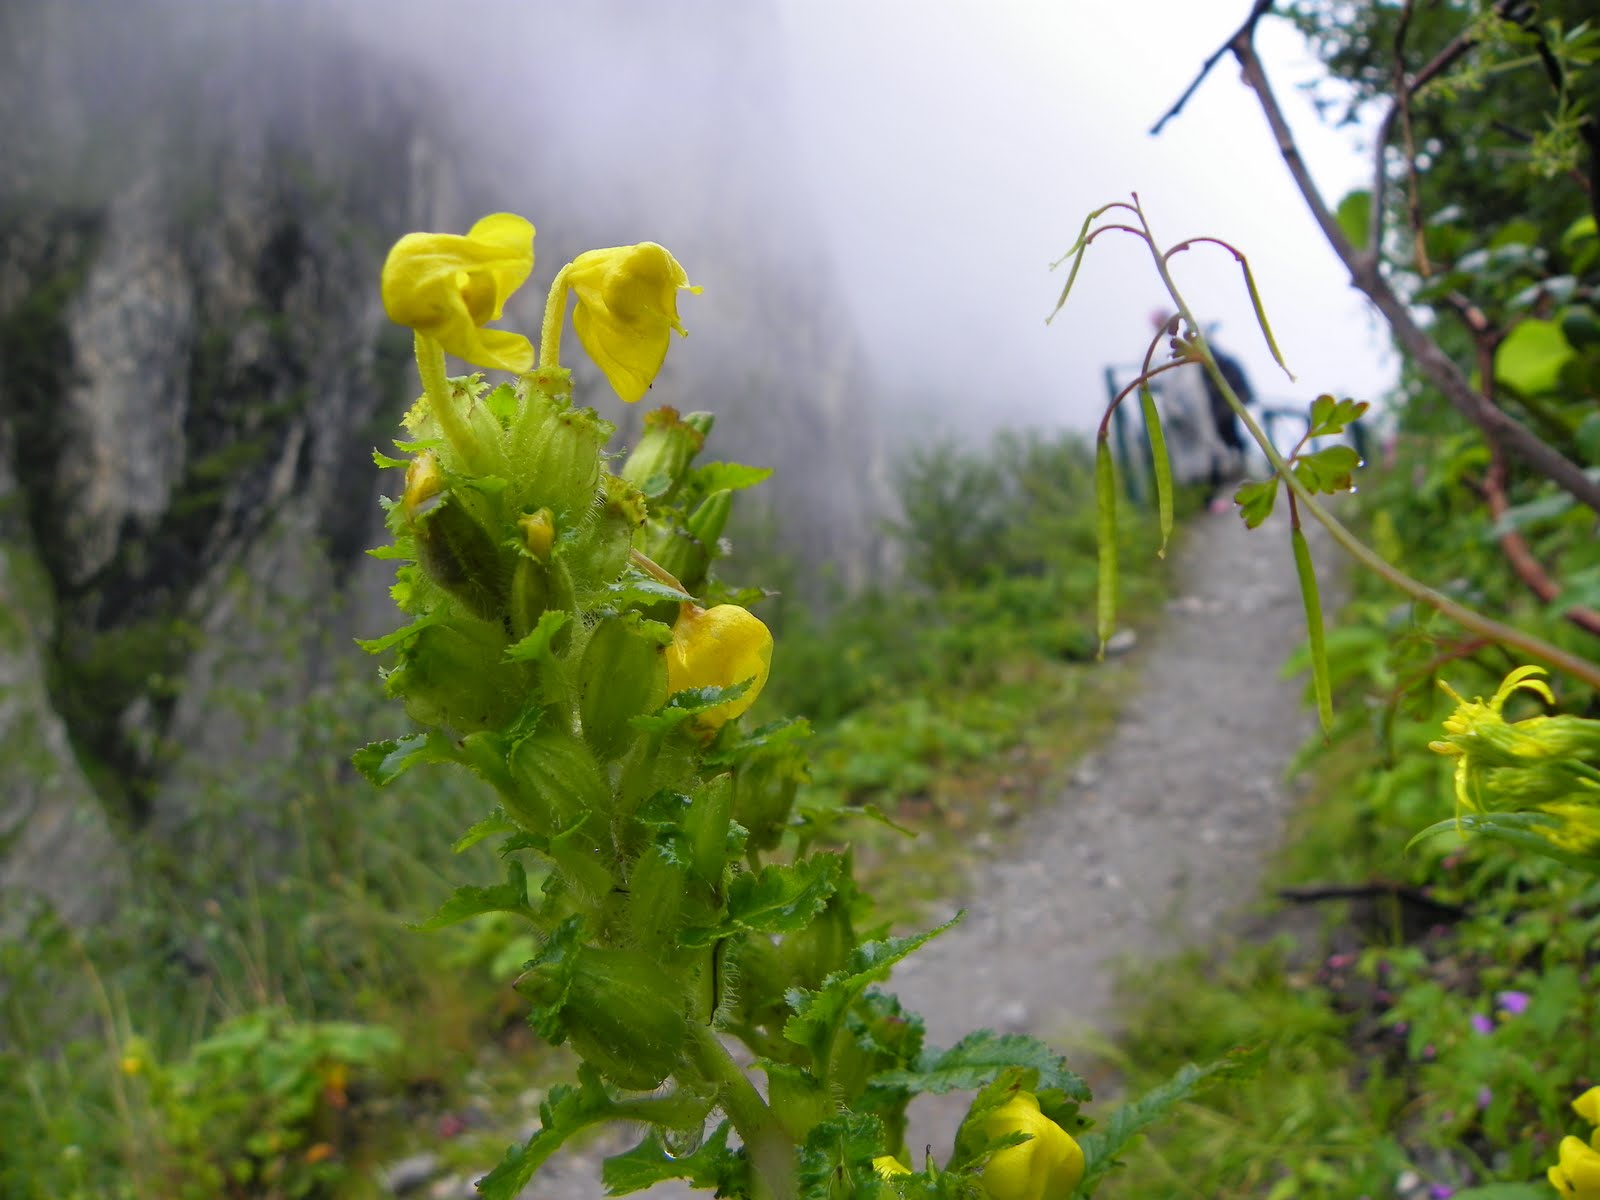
(568, 642)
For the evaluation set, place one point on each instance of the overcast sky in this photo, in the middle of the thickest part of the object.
(958, 145)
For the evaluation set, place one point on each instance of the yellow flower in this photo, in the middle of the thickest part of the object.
(1577, 1173)
(627, 310)
(1587, 1106)
(1046, 1167)
(448, 287)
(719, 647)
(888, 1166)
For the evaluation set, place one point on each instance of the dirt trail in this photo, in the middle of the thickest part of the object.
(1157, 843)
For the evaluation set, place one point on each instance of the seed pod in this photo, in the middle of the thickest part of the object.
(655, 898)
(710, 518)
(622, 675)
(459, 555)
(559, 780)
(454, 676)
(660, 461)
(623, 1013)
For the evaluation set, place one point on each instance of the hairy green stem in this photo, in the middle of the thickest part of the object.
(435, 385)
(555, 318)
(1513, 639)
(771, 1151)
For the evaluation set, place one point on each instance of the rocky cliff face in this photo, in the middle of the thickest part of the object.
(194, 368)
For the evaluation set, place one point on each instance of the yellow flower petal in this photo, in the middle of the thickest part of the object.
(888, 1166)
(448, 286)
(1046, 1167)
(1577, 1171)
(1587, 1106)
(719, 647)
(627, 310)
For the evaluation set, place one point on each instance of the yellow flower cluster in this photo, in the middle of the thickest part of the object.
(448, 287)
(1577, 1171)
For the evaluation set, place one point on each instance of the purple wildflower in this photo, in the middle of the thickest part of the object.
(1482, 1023)
(1514, 1004)
(1485, 1096)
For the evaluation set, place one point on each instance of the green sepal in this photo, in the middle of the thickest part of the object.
(727, 477)
(559, 781)
(460, 556)
(798, 1099)
(656, 886)
(465, 902)
(566, 1111)
(705, 825)
(710, 518)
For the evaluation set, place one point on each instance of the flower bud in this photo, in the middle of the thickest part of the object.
(660, 461)
(1046, 1166)
(719, 647)
(538, 531)
(424, 481)
(622, 675)
(623, 1013)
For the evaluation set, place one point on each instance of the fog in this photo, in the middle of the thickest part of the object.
(941, 155)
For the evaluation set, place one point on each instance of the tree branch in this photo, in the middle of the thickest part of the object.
(1496, 425)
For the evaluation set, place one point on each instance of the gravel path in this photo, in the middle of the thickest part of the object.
(1156, 844)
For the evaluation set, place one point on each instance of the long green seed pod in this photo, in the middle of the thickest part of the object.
(1159, 461)
(1105, 494)
(1319, 649)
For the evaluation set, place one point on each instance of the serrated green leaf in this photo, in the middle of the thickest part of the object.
(639, 588)
(393, 551)
(837, 1159)
(495, 823)
(535, 647)
(1305, 570)
(682, 705)
(383, 460)
(1102, 1145)
(724, 476)
(565, 1112)
(404, 634)
(817, 1014)
(510, 896)
(978, 1058)
(1255, 500)
(381, 763)
(1330, 417)
(1328, 470)
(782, 899)
(713, 1165)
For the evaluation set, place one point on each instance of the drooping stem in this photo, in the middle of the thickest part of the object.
(1514, 639)
(771, 1151)
(430, 366)
(555, 318)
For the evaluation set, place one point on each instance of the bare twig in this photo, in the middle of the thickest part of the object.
(1365, 273)
(1259, 10)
